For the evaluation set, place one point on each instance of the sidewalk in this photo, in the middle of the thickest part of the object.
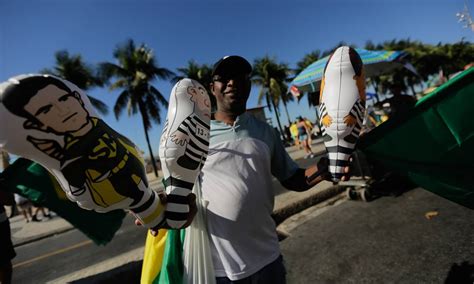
(287, 204)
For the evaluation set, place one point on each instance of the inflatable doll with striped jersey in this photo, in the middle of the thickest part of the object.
(342, 107)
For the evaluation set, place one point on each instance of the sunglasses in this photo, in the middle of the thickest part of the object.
(227, 77)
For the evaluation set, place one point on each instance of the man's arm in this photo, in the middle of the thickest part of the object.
(304, 179)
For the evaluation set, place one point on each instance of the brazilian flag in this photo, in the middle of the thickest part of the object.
(34, 182)
(163, 258)
(433, 144)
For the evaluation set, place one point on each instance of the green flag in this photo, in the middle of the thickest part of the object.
(433, 144)
(34, 182)
(163, 258)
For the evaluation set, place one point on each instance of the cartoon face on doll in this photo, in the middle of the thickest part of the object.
(201, 100)
(48, 105)
(58, 110)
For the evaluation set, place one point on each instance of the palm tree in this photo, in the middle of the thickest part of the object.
(201, 73)
(271, 76)
(403, 79)
(75, 70)
(134, 73)
(286, 97)
(308, 59)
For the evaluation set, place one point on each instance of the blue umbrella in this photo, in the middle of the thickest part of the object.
(375, 63)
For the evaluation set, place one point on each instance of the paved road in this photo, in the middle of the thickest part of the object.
(63, 254)
(53, 257)
(388, 240)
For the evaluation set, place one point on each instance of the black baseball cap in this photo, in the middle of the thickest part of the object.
(232, 64)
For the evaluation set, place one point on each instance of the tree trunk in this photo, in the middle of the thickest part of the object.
(316, 111)
(287, 114)
(277, 117)
(152, 157)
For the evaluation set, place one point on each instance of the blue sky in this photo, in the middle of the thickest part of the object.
(31, 31)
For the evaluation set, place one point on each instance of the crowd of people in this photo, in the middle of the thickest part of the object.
(29, 210)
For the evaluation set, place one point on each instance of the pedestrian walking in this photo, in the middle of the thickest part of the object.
(304, 134)
(26, 208)
(43, 210)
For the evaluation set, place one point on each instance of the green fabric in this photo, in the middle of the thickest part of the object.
(433, 144)
(32, 181)
(172, 268)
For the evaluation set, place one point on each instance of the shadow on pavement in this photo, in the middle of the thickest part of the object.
(391, 184)
(460, 273)
(127, 273)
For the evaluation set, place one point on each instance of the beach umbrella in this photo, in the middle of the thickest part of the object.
(376, 62)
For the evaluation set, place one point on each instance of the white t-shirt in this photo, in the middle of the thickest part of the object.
(236, 180)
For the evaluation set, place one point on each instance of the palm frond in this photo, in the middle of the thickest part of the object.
(122, 101)
(153, 109)
(133, 104)
(108, 70)
(159, 96)
(261, 95)
(101, 107)
(120, 83)
(163, 73)
(46, 71)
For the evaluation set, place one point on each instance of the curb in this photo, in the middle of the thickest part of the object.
(42, 236)
(284, 230)
(126, 273)
(291, 209)
(133, 269)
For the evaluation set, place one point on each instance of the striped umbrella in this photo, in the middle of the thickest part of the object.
(375, 63)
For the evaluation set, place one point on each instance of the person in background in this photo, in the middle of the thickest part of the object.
(294, 133)
(7, 252)
(288, 136)
(310, 127)
(25, 208)
(400, 103)
(244, 154)
(43, 211)
(304, 136)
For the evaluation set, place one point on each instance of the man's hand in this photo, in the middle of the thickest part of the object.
(304, 179)
(321, 172)
(191, 201)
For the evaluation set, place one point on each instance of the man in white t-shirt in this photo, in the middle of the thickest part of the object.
(244, 154)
